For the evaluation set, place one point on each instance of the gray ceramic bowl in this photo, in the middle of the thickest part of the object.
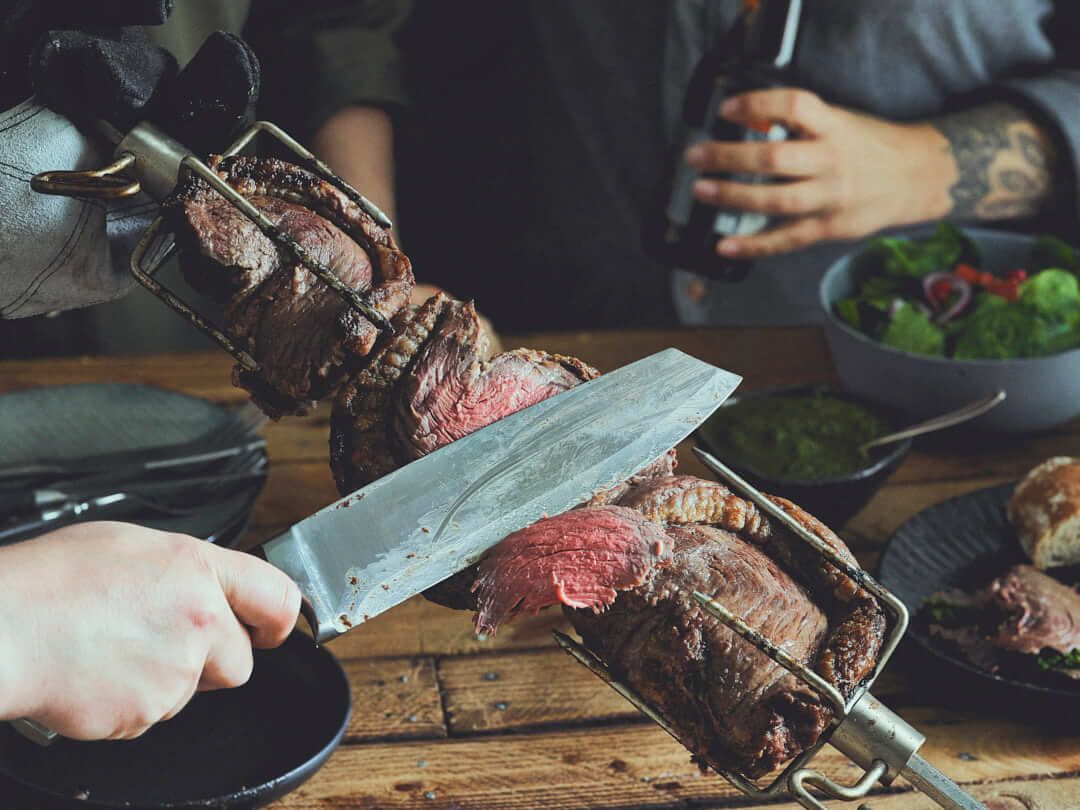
(1042, 392)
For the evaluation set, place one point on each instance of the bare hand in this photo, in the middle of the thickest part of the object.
(109, 628)
(842, 175)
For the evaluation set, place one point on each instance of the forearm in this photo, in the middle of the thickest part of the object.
(1000, 163)
(358, 143)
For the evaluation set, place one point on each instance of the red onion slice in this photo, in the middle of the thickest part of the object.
(959, 295)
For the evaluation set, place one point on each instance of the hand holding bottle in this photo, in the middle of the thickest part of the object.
(840, 175)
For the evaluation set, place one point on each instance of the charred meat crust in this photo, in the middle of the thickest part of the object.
(787, 720)
(422, 390)
(361, 449)
(304, 335)
(729, 702)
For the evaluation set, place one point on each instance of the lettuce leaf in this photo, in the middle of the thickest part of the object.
(1054, 293)
(1000, 331)
(848, 310)
(911, 331)
(917, 258)
(1049, 251)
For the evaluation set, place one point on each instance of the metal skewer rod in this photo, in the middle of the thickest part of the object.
(897, 608)
(278, 236)
(318, 166)
(936, 785)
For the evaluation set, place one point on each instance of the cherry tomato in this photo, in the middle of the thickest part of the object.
(967, 273)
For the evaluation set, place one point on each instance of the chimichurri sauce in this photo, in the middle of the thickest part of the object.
(803, 438)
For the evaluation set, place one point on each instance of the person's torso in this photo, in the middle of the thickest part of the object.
(541, 132)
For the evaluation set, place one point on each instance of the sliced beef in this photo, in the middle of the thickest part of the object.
(655, 639)
(1036, 612)
(663, 466)
(1023, 624)
(581, 558)
(435, 388)
(360, 443)
(303, 334)
(451, 390)
(434, 384)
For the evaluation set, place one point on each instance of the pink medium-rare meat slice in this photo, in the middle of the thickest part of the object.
(304, 336)
(1036, 612)
(581, 559)
(431, 385)
(452, 391)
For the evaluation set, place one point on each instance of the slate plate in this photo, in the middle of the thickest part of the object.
(965, 542)
(69, 421)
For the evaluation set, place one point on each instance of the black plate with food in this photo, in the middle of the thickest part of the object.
(802, 443)
(234, 748)
(957, 547)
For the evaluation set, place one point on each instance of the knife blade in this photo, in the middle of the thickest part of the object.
(424, 522)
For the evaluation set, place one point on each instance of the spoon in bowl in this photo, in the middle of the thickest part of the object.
(945, 420)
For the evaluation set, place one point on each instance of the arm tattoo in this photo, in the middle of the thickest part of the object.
(1003, 163)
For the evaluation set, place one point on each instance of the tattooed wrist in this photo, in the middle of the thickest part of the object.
(1003, 162)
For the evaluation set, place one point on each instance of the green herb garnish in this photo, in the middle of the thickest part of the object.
(1052, 659)
(949, 615)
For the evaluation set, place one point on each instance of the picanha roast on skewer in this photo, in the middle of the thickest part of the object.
(623, 565)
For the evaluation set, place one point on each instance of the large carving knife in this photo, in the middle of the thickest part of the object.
(420, 524)
(434, 517)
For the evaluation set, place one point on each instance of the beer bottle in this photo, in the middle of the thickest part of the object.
(757, 54)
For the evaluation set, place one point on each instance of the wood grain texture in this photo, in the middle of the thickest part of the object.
(445, 719)
(394, 698)
(420, 627)
(1028, 794)
(514, 690)
(621, 766)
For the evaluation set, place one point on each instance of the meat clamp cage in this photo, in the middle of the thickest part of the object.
(878, 741)
(147, 159)
(873, 737)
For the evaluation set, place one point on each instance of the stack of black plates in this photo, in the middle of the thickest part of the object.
(235, 748)
(76, 421)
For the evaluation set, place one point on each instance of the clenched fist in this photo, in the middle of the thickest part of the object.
(108, 628)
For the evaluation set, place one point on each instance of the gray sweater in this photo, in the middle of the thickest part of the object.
(535, 134)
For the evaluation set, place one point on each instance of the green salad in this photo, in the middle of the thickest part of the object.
(930, 296)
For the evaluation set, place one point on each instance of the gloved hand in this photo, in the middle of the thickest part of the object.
(58, 253)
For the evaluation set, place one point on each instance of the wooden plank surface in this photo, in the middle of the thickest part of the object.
(623, 766)
(443, 718)
(395, 698)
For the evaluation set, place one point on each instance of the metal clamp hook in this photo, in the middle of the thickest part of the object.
(803, 776)
(103, 184)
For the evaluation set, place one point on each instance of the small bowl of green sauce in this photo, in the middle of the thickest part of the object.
(804, 443)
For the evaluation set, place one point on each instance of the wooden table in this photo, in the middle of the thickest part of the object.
(443, 719)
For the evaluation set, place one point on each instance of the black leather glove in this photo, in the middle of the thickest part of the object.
(91, 69)
(24, 22)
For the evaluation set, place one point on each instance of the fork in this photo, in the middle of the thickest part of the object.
(159, 497)
(216, 443)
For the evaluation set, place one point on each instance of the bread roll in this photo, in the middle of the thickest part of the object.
(1045, 510)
